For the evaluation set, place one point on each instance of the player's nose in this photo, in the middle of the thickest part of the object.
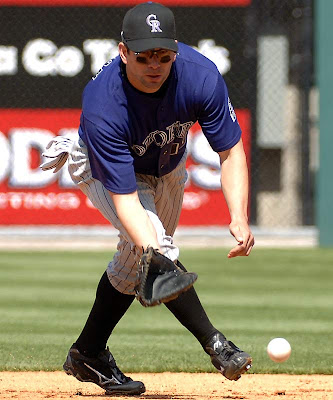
(154, 62)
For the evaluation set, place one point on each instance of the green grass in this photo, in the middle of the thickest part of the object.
(45, 299)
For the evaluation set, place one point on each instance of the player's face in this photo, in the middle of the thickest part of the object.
(147, 71)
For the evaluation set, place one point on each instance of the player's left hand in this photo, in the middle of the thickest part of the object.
(240, 230)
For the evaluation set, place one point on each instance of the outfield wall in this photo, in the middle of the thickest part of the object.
(49, 50)
(47, 55)
(325, 82)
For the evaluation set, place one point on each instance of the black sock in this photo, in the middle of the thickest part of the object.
(188, 309)
(109, 306)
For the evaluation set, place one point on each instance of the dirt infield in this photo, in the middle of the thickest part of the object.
(165, 386)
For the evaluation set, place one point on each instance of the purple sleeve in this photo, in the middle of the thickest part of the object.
(217, 117)
(110, 158)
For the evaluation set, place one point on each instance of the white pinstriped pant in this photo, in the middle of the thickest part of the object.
(162, 198)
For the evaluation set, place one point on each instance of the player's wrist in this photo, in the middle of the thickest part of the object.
(239, 220)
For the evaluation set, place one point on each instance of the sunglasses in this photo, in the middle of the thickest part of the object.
(144, 56)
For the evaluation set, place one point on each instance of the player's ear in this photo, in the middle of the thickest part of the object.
(175, 55)
(123, 52)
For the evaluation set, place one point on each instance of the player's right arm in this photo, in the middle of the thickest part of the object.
(112, 164)
(135, 220)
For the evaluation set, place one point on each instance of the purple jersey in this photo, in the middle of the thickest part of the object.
(128, 131)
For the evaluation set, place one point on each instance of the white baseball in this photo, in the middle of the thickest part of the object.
(279, 350)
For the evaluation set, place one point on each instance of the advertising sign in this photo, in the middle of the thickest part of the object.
(48, 53)
(29, 195)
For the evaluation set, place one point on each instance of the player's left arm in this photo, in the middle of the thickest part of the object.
(235, 187)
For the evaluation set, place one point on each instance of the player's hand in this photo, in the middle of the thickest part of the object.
(242, 233)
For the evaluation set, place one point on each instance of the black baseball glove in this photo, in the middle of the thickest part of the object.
(160, 280)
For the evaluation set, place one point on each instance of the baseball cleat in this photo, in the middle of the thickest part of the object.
(103, 371)
(231, 361)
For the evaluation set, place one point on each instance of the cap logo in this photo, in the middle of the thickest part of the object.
(154, 23)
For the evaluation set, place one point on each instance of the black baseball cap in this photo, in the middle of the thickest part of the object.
(149, 26)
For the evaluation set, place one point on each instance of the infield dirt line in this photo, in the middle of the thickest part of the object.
(167, 386)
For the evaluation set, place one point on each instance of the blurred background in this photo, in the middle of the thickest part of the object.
(265, 50)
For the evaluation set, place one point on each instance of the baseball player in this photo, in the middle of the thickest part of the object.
(129, 160)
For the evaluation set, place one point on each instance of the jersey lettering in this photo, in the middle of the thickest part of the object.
(180, 131)
(161, 138)
(231, 111)
(105, 65)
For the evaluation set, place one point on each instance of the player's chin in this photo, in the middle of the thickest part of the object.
(154, 83)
